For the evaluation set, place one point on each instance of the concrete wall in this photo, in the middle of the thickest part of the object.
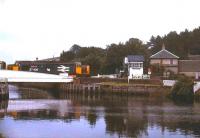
(4, 92)
(88, 80)
(39, 85)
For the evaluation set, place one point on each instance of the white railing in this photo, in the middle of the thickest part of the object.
(169, 82)
(144, 76)
(22, 79)
(196, 86)
(112, 76)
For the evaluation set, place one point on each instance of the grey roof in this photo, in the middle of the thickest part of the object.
(51, 59)
(135, 58)
(189, 65)
(164, 54)
(194, 57)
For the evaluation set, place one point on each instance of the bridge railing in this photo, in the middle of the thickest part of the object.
(23, 79)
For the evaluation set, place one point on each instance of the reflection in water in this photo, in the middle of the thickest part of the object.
(1, 136)
(3, 108)
(28, 93)
(78, 115)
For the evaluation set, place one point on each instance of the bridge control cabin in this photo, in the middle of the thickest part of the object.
(134, 64)
(52, 67)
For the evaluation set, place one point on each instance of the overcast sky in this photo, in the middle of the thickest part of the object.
(43, 28)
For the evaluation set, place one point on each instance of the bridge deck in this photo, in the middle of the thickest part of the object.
(23, 76)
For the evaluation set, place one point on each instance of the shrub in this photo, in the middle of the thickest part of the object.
(183, 89)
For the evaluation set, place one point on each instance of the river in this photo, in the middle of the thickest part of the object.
(33, 113)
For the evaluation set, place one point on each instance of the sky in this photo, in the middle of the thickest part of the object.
(44, 28)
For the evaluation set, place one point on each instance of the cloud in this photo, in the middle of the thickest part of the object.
(2, 1)
(5, 56)
(6, 37)
(43, 28)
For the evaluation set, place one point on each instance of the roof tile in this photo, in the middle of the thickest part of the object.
(189, 65)
(164, 54)
(135, 58)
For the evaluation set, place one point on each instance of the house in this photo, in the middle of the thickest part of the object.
(171, 62)
(189, 68)
(134, 64)
(165, 59)
(193, 57)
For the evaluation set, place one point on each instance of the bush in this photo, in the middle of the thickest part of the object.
(183, 89)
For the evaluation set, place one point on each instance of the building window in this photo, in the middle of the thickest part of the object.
(136, 65)
(174, 61)
(171, 61)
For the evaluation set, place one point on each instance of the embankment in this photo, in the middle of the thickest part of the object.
(116, 86)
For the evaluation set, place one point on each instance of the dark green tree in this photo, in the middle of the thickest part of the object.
(182, 44)
(115, 53)
(67, 56)
(183, 89)
(75, 48)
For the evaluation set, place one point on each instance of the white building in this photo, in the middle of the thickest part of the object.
(134, 63)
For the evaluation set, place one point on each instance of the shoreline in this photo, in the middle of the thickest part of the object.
(116, 87)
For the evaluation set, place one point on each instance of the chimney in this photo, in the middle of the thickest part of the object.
(163, 46)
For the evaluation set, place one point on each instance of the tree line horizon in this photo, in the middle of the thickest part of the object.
(109, 60)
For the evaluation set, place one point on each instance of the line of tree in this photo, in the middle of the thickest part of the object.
(110, 59)
(104, 61)
(182, 44)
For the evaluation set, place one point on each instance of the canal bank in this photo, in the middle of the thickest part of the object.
(102, 86)
(116, 86)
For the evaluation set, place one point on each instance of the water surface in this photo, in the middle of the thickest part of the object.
(33, 113)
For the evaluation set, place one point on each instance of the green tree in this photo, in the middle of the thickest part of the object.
(75, 48)
(94, 62)
(67, 56)
(182, 44)
(115, 53)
